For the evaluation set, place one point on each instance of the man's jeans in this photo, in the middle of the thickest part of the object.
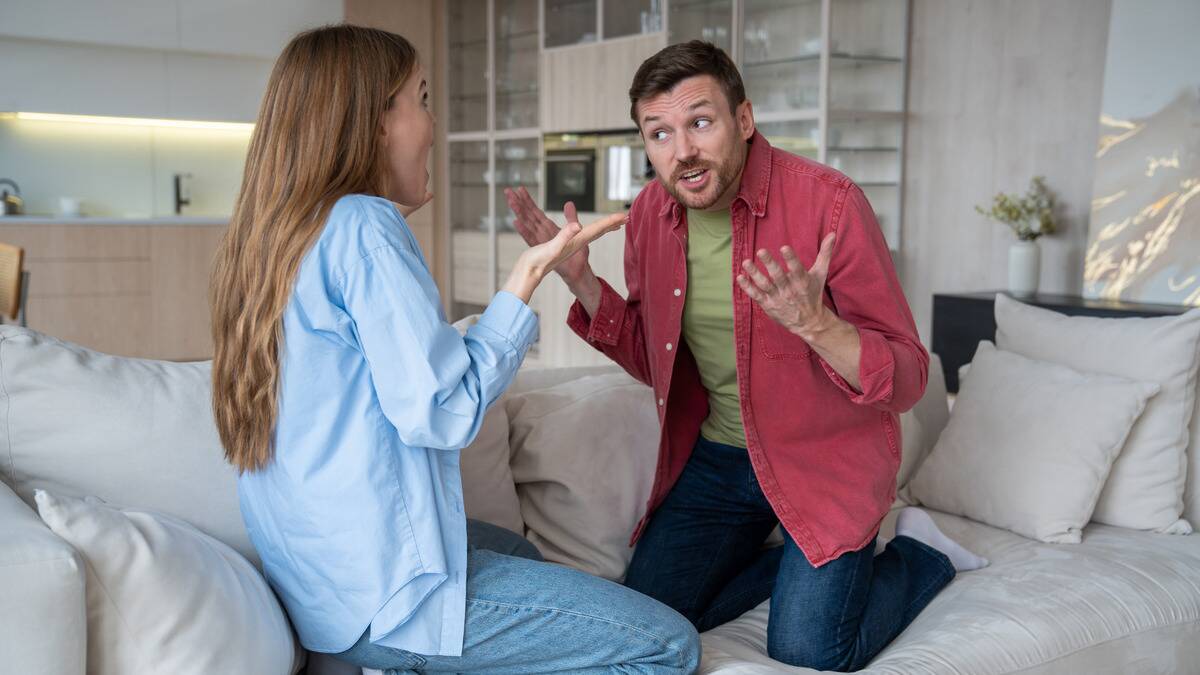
(529, 616)
(702, 555)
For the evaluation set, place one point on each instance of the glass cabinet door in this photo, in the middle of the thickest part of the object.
(518, 164)
(866, 69)
(866, 101)
(781, 50)
(516, 29)
(708, 20)
(799, 137)
(631, 17)
(570, 22)
(470, 225)
(467, 67)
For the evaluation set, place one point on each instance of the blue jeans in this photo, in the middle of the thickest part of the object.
(529, 616)
(702, 554)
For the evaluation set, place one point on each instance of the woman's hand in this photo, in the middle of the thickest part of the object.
(535, 228)
(537, 261)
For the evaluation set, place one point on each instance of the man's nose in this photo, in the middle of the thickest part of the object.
(685, 149)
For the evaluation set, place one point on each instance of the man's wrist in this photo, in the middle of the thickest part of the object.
(818, 330)
(587, 289)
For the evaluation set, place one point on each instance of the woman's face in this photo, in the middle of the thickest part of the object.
(407, 138)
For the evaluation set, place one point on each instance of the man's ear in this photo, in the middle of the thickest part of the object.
(745, 119)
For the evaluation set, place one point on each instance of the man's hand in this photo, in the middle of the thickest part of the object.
(791, 296)
(794, 298)
(536, 229)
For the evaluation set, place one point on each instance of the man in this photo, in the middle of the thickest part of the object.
(778, 383)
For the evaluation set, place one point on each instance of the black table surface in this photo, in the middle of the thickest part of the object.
(962, 320)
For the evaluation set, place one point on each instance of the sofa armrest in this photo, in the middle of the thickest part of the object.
(43, 604)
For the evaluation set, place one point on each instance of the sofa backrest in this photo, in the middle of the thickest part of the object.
(140, 433)
(132, 432)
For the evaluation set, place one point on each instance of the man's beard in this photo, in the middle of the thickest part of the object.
(722, 176)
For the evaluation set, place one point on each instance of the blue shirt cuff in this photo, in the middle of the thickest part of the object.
(510, 318)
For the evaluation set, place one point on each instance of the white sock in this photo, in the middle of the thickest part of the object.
(915, 523)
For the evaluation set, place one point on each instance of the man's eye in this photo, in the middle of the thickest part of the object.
(659, 135)
(702, 123)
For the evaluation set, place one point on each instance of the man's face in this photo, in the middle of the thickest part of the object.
(697, 146)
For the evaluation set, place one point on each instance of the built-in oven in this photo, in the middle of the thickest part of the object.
(600, 173)
(571, 173)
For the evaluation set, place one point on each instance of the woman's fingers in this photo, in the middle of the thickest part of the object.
(593, 231)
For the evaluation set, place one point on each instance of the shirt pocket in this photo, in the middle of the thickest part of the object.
(774, 341)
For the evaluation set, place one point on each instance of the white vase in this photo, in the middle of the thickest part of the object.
(1024, 267)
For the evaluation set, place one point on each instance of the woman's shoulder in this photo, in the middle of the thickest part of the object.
(366, 222)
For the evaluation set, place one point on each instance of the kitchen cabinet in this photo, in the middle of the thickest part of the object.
(586, 88)
(576, 22)
(134, 290)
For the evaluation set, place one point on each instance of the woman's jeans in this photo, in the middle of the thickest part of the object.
(529, 616)
(702, 554)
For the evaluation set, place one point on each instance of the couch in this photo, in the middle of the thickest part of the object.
(565, 457)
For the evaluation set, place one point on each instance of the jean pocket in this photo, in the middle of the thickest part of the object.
(775, 341)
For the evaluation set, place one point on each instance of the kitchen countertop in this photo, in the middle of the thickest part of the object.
(113, 220)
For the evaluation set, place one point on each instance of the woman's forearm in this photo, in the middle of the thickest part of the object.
(522, 281)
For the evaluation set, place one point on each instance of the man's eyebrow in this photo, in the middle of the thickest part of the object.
(698, 104)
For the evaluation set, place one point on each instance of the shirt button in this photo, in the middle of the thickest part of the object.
(660, 401)
(678, 292)
(669, 346)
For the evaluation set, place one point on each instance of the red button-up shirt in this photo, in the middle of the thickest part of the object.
(825, 454)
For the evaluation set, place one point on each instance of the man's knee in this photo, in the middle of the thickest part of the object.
(813, 651)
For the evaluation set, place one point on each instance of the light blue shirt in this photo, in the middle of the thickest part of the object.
(359, 517)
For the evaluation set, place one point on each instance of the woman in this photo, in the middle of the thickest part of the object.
(344, 397)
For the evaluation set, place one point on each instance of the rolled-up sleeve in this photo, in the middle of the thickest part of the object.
(866, 292)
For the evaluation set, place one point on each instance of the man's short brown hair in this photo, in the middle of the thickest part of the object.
(670, 66)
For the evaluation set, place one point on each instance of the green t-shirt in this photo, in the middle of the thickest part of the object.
(708, 322)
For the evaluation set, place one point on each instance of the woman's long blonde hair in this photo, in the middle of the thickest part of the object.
(317, 139)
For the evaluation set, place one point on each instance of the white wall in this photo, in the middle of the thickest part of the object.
(998, 92)
(177, 59)
(183, 59)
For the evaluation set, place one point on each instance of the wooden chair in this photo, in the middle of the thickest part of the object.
(14, 282)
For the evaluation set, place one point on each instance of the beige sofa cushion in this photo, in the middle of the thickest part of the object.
(133, 432)
(1145, 490)
(583, 459)
(585, 445)
(1029, 445)
(162, 597)
(43, 615)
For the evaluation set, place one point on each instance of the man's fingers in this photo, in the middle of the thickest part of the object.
(754, 274)
(773, 268)
(789, 258)
(750, 289)
(820, 267)
(570, 212)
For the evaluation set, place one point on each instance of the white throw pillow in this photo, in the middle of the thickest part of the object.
(1145, 490)
(584, 454)
(1029, 445)
(163, 597)
(130, 431)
